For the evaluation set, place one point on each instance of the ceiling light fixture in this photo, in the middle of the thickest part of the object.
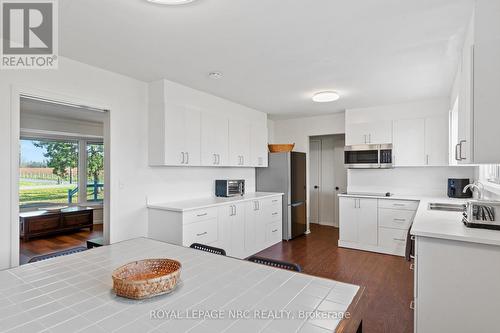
(215, 75)
(325, 96)
(170, 2)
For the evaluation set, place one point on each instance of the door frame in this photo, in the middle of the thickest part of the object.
(319, 170)
(15, 127)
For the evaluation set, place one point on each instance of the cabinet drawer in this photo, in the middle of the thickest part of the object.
(199, 215)
(393, 240)
(204, 232)
(395, 218)
(73, 220)
(398, 204)
(273, 231)
(43, 224)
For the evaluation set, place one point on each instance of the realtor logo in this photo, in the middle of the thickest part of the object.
(29, 34)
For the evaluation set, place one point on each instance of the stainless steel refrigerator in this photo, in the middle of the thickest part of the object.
(287, 174)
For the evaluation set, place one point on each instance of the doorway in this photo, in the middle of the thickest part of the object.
(328, 177)
(62, 178)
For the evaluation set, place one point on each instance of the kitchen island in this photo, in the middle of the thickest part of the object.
(217, 293)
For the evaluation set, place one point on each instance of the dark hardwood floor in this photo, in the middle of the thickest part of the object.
(45, 245)
(388, 279)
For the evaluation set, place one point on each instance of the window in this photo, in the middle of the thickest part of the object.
(48, 171)
(95, 171)
(53, 171)
(490, 173)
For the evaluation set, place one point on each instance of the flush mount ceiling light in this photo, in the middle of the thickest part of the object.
(325, 96)
(215, 75)
(170, 2)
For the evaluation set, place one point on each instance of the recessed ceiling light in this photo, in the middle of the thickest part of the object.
(215, 75)
(170, 2)
(325, 96)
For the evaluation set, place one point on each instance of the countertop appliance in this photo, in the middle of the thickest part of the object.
(229, 187)
(456, 187)
(286, 174)
(482, 214)
(368, 156)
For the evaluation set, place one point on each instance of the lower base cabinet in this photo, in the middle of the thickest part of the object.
(456, 286)
(241, 228)
(377, 225)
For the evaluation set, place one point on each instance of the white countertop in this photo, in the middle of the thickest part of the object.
(73, 294)
(201, 203)
(441, 224)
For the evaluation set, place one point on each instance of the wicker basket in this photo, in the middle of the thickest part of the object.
(146, 278)
(281, 148)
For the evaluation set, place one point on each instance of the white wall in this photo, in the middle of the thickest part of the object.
(429, 181)
(298, 131)
(131, 178)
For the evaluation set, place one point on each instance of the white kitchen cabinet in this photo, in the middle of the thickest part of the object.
(239, 142)
(379, 132)
(192, 128)
(409, 142)
(451, 279)
(479, 83)
(240, 226)
(377, 225)
(437, 140)
(358, 220)
(258, 144)
(232, 229)
(174, 135)
(214, 139)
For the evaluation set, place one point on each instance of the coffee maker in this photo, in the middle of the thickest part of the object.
(456, 188)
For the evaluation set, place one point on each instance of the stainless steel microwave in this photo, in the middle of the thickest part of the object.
(368, 156)
(229, 188)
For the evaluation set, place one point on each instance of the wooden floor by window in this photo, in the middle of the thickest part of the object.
(46, 245)
(388, 279)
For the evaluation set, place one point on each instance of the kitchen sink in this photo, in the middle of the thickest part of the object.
(447, 207)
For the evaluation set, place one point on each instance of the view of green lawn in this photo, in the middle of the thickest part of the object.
(35, 194)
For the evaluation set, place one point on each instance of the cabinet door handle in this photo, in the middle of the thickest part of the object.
(412, 305)
(218, 159)
(203, 233)
(242, 160)
(200, 215)
(369, 138)
(365, 138)
(464, 156)
(215, 159)
(275, 200)
(183, 158)
(399, 239)
(457, 156)
(275, 213)
(275, 230)
(399, 205)
(427, 159)
(412, 267)
(400, 220)
(187, 158)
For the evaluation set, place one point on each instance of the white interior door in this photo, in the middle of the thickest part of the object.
(340, 174)
(314, 178)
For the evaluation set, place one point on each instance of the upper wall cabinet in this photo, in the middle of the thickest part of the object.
(479, 83)
(214, 140)
(379, 132)
(409, 142)
(258, 144)
(188, 127)
(239, 142)
(421, 141)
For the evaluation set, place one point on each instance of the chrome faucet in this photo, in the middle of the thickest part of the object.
(475, 186)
